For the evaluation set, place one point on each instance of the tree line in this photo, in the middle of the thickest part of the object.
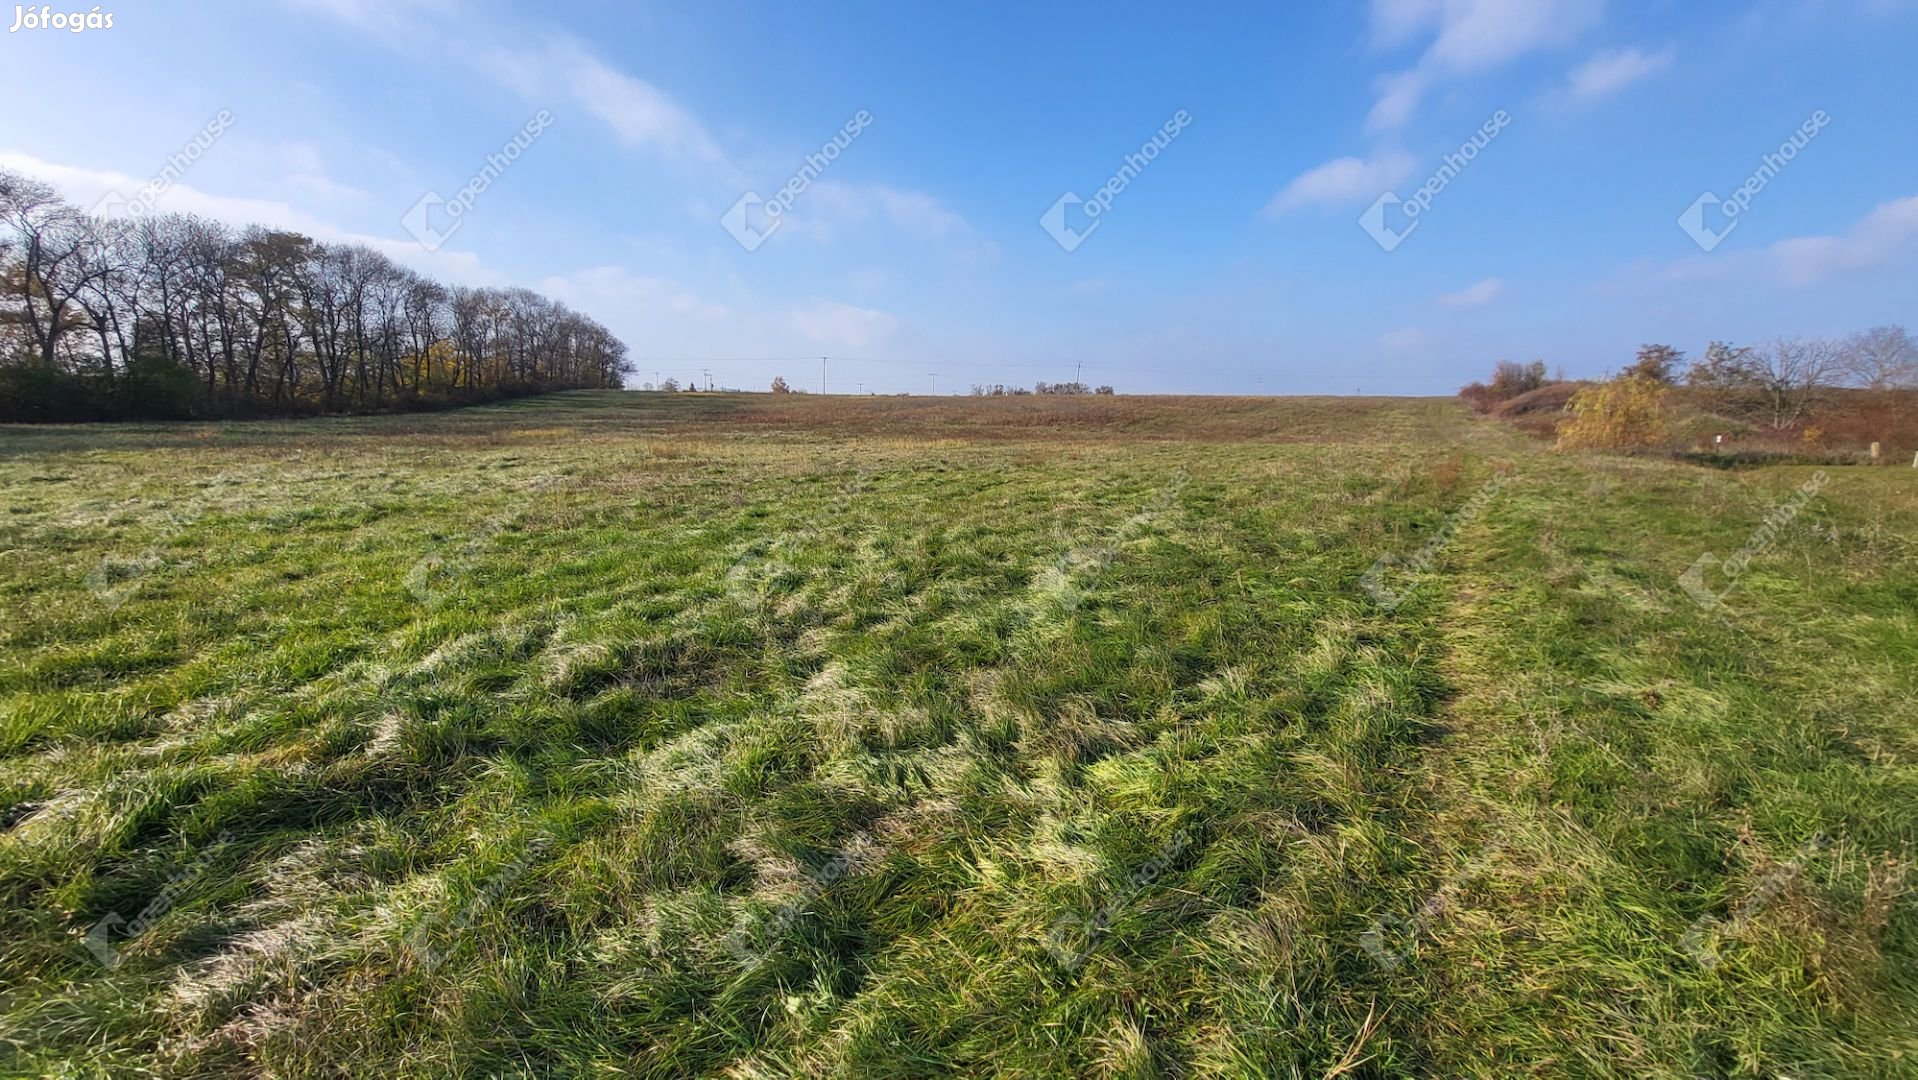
(1809, 392)
(173, 316)
(1775, 384)
(1780, 383)
(1001, 390)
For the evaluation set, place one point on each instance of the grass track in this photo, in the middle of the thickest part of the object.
(647, 735)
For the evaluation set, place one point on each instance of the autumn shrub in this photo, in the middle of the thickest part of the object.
(1627, 413)
(1509, 380)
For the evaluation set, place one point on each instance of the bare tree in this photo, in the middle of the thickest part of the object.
(1793, 375)
(1882, 358)
(58, 258)
(222, 322)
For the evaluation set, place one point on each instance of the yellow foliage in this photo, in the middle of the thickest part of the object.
(1625, 414)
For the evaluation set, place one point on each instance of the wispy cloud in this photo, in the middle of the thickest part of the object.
(1344, 180)
(832, 323)
(549, 69)
(1887, 234)
(674, 318)
(307, 171)
(639, 113)
(1475, 295)
(1406, 338)
(830, 203)
(644, 117)
(646, 295)
(1613, 70)
(1468, 37)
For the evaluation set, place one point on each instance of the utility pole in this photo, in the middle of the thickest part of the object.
(934, 376)
(862, 389)
(709, 377)
(655, 380)
(1077, 369)
(822, 375)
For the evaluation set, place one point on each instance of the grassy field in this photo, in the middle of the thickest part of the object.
(644, 735)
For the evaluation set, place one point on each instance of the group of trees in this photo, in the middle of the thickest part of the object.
(1776, 385)
(165, 316)
(1780, 383)
(1000, 390)
(1510, 379)
(1790, 386)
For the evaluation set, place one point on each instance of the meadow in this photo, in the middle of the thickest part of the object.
(626, 734)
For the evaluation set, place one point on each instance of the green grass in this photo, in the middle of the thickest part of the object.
(642, 735)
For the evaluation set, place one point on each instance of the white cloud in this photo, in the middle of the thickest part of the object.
(830, 203)
(1395, 22)
(1483, 292)
(1479, 35)
(1399, 97)
(1344, 180)
(639, 297)
(830, 207)
(554, 70)
(1881, 237)
(1613, 70)
(1472, 36)
(307, 171)
(1410, 337)
(829, 322)
(639, 113)
(662, 317)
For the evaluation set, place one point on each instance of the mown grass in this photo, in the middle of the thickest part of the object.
(642, 735)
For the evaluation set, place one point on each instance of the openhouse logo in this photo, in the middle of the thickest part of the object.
(1411, 211)
(1708, 235)
(752, 220)
(114, 204)
(452, 212)
(1092, 210)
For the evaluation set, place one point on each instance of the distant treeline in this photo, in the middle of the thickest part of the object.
(170, 316)
(1001, 390)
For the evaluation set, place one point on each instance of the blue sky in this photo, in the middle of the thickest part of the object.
(1233, 261)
